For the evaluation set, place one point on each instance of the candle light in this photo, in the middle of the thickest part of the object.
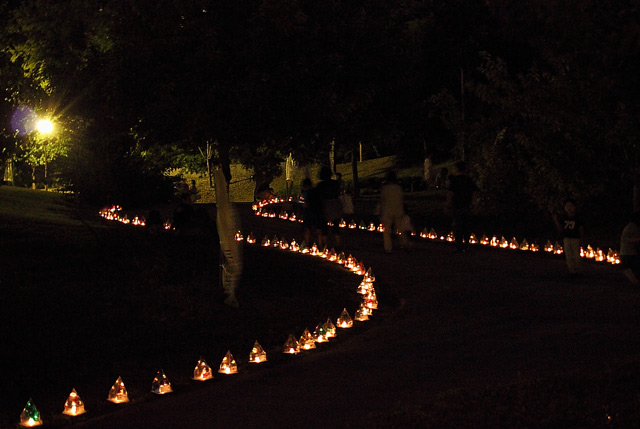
(118, 393)
(160, 384)
(344, 321)
(257, 355)
(202, 371)
(30, 416)
(73, 405)
(291, 346)
(307, 342)
(228, 364)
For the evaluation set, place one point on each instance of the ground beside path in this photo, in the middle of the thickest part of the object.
(446, 323)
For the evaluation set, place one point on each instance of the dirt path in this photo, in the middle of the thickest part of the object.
(445, 322)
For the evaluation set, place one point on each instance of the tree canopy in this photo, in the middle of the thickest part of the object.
(540, 97)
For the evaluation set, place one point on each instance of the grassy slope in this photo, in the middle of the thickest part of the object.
(85, 300)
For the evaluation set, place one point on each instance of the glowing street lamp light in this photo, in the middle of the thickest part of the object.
(44, 126)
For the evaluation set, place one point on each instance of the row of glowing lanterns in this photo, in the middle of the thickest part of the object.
(74, 405)
(596, 254)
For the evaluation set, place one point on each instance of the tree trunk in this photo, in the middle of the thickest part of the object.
(354, 172)
(636, 196)
(33, 177)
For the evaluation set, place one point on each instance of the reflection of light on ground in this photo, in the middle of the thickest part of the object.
(23, 120)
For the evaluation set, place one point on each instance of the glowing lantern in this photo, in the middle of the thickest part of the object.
(352, 224)
(73, 405)
(283, 215)
(348, 263)
(433, 235)
(451, 237)
(369, 277)
(524, 245)
(332, 256)
(275, 242)
(314, 250)
(272, 214)
(257, 355)
(167, 224)
(548, 247)
(534, 247)
(291, 346)
(613, 257)
(325, 253)
(265, 214)
(340, 259)
(161, 384)
(254, 207)
(359, 269)
(380, 228)
(228, 364)
(503, 243)
(365, 287)
(250, 238)
(118, 393)
(372, 227)
(494, 242)
(307, 342)
(239, 236)
(344, 321)
(303, 247)
(361, 314)
(484, 240)
(320, 334)
(557, 249)
(362, 225)
(30, 416)
(370, 300)
(424, 233)
(265, 242)
(202, 371)
(330, 328)
(292, 217)
(342, 223)
(284, 245)
(599, 255)
(473, 239)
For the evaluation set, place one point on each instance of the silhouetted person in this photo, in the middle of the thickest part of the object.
(460, 198)
(392, 211)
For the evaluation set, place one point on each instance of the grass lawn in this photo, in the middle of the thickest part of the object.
(85, 300)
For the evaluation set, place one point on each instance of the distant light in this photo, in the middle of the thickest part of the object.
(44, 126)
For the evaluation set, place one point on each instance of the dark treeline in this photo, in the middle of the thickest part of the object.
(539, 97)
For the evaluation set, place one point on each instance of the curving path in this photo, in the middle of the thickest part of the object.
(445, 322)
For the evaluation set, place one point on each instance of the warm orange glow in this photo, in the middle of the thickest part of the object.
(307, 341)
(160, 384)
(202, 371)
(228, 364)
(74, 405)
(257, 355)
(344, 321)
(118, 393)
(291, 346)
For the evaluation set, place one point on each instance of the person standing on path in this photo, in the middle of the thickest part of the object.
(392, 211)
(460, 199)
(571, 226)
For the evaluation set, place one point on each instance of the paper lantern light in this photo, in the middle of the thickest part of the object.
(307, 342)
(275, 241)
(294, 246)
(228, 364)
(353, 225)
(238, 236)
(30, 416)
(314, 250)
(524, 245)
(341, 258)
(291, 346)
(73, 406)
(548, 247)
(424, 233)
(118, 393)
(265, 242)
(330, 328)
(371, 300)
(600, 257)
(257, 354)
(332, 256)
(361, 314)
(369, 277)
(160, 384)
(484, 240)
(371, 227)
(303, 247)
(557, 249)
(344, 321)
(364, 287)
(473, 239)
(451, 237)
(534, 247)
(320, 334)
(202, 371)
(251, 238)
(514, 244)
(362, 225)
(342, 223)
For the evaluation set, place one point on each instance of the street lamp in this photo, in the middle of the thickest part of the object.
(45, 128)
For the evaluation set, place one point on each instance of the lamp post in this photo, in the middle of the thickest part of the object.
(45, 128)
